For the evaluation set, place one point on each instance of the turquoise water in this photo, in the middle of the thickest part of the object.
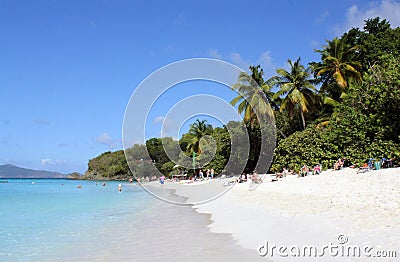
(52, 219)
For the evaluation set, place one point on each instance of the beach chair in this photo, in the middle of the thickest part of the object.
(229, 183)
(388, 163)
(364, 168)
(256, 179)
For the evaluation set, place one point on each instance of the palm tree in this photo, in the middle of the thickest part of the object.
(296, 88)
(253, 92)
(197, 130)
(337, 67)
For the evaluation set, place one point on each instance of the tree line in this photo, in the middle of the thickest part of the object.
(344, 105)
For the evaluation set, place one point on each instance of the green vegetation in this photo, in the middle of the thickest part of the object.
(359, 92)
(108, 166)
(344, 105)
(74, 175)
(296, 88)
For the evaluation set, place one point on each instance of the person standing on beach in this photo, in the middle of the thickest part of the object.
(162, 179)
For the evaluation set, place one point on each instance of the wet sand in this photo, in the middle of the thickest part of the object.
(178, 233)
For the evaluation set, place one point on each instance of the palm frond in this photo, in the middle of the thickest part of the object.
(236, 100)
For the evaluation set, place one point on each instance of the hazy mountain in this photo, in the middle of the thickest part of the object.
(11, 171)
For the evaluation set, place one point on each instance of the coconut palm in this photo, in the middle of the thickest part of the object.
(197, 130)
(337, 67)
(295, 88)
(253, 94)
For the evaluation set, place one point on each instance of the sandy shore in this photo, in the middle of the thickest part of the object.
(173, 232)
(339, 208)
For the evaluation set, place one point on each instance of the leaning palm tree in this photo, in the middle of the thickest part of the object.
(337, 67)
(197, 130)
(254, 93)
(295, 88)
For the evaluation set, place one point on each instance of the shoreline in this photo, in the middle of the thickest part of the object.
(314, 210)
(182, 234)
(160, 232)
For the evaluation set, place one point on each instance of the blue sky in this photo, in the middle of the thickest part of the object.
(68, 68)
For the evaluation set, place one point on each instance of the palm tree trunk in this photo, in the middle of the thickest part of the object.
(302, 119)
(283, 134)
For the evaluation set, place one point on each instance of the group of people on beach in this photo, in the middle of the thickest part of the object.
(371, 164)
(209, 174)
(339, 164)
(304, 171)
(198, 176)
(146, 179)
(253, 176)
(250, 177)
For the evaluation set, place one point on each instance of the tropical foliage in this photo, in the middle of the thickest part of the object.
(296, 88)
(338, 66)
(198, 130)
(345, 105)
(254, 94)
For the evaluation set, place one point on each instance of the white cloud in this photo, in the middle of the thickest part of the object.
(40, 121)
(265, 58)
(181, 19)
(214, 54)
(15, 162)
(265, 61)
(169, 127)
(385, 9)
(315, 44)
(237, 59)
(107, 140)
(158, 120)
(51, 162)
(320, 19)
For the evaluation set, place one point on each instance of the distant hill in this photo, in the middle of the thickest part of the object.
(11, 171)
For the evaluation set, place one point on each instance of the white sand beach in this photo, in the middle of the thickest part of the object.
(337, 208)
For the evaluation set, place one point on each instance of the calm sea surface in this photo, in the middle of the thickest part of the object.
(53, 219)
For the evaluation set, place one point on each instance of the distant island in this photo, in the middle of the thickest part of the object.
(11, 171)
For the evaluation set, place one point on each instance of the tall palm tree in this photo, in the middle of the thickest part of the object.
(337, 67)
(253, 92)
(295, 88)
(197, 130)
